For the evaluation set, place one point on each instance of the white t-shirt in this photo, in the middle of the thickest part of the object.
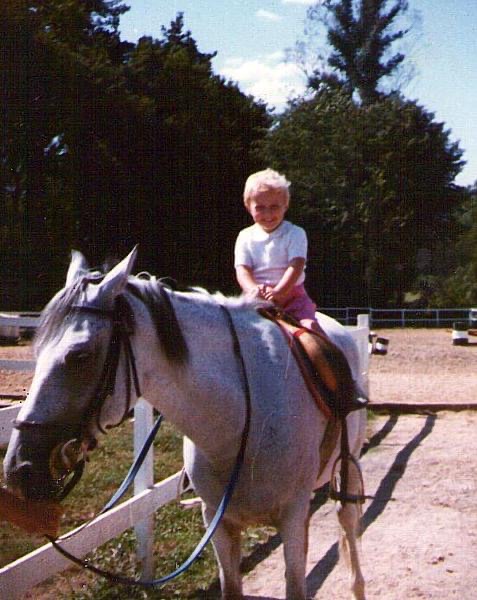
(269, 254)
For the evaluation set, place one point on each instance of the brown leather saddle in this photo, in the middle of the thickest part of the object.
(323, 365)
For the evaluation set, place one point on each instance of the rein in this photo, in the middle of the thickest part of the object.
(229, 489)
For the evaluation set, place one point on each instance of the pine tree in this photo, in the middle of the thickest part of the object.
(361, 33)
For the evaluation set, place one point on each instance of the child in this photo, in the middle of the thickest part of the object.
(270, 256)
(270, 259)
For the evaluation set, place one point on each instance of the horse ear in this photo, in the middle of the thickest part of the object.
(115, 281)
(78, 267)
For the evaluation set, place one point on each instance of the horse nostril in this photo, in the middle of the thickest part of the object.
(23, 468)
(20, 475)
(29, 483)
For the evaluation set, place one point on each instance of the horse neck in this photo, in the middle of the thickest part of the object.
(205, 396)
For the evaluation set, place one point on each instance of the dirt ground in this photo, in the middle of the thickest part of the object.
(423, 366)
(420, 527)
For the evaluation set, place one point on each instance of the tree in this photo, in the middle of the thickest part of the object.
(105, 144)
(193, 156)
(58, 74)
(372, 185)
(360, 34)
(460, 287)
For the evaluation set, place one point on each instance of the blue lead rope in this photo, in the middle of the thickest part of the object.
(133, 471)
(119, 579)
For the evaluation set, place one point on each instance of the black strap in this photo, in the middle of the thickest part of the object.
(345, 457)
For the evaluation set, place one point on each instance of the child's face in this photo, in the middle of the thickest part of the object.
(268, 208)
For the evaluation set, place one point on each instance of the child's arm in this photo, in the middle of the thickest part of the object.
(246, 280)
(288, 281)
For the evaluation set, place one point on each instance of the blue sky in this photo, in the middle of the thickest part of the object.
(251, 38)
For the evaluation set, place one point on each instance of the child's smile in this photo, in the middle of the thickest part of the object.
(268, 209)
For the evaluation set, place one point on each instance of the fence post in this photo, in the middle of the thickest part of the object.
(143, 423)
(362, 321)
(360, 335)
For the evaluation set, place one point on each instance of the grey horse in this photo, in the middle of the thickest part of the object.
(187, 368)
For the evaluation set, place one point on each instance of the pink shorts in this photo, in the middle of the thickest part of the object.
(299, 305)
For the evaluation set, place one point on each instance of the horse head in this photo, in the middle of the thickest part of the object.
(78, 348)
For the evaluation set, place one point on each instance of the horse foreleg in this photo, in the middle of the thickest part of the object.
(349, 517)
(294, 532)
(226, 544)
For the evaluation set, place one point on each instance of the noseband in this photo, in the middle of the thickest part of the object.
(122, 327)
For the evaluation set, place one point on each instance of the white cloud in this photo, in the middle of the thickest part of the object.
(267, 15)
(302, 2)
(268, 78)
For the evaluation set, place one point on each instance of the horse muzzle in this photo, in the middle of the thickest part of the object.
(38, 467)
(29, 482)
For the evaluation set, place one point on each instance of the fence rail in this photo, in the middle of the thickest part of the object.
(20, 576)
(404, 317)
(384, 317)
(19, 319)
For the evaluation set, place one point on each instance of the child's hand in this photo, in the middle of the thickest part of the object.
(256, 292)
(272, 295)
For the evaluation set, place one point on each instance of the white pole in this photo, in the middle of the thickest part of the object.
(360, 334)
(362, 321)
(143, 423)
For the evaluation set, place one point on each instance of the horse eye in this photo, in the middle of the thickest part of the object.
(76, 356)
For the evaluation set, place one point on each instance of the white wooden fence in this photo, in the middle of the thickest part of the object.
(22, 575)
(404, 317)
(12, 322)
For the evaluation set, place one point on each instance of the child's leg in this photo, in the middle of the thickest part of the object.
(313, 325)
(303, 309)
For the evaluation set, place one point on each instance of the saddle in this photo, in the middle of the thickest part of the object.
(323, 365)
(327, 375)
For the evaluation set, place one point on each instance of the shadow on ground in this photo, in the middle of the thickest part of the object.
(383, 496)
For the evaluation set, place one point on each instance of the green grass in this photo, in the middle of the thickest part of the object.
(176, 534)
(177, 531)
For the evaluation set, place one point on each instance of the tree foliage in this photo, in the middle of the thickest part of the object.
(372, 185)
(105, 144)
(361, 34)
(49, 97)
(460, 287)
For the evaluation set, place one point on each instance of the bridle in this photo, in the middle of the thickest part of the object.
(122, 327)
(120, 339)
(222, 507)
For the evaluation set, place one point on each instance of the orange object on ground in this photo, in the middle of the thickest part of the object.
(32, 516)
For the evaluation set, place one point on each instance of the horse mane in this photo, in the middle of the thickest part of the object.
(154, 296)
(151, 293)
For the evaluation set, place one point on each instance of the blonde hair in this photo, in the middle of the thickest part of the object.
(265, 180)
